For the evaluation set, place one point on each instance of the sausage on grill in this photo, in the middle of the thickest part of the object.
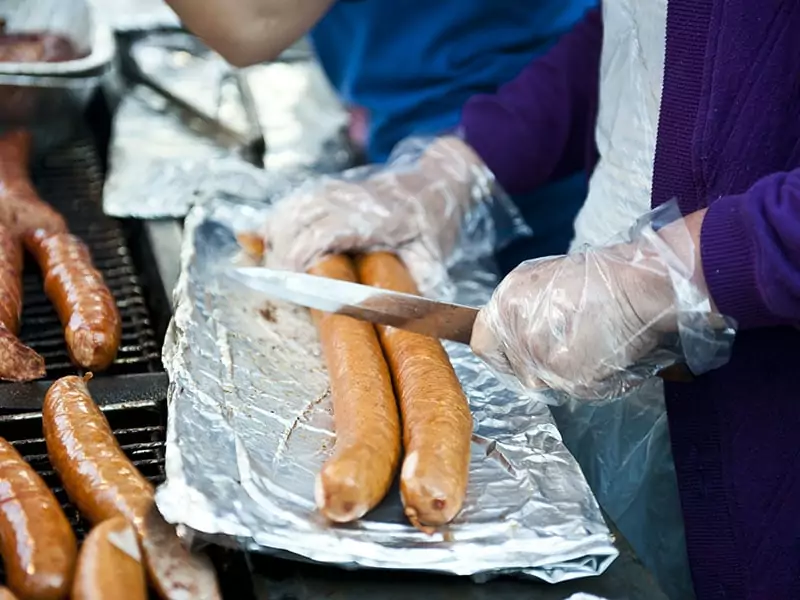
(437, 424)
(21, 208)
(36, 539)
(367, 452)
(85, 305)
(110, 564)
(103, 483)
(17, 361)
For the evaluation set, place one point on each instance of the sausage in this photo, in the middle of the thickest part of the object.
(17, 361)
(103, 483)
(85, 305)
(36, 539)
(437, 424)
(5, 594)
(367, 451)
(21, 209)
(110, 564)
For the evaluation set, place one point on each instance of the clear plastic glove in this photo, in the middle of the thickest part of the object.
(597, 323)
(415, 206)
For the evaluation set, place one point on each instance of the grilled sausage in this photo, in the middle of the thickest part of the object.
(367, 452)
(103, 483)
(21, 209)
(17, 361)
(437, 424)
(85, 305)
(110, 564)
(36, 539)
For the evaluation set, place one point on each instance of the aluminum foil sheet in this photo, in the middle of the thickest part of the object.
(303, 122)
(163, 156)
(161, 163)
(250, 425)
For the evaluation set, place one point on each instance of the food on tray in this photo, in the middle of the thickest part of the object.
(17, 361)
(85, 305)
(110, 564)
(103, 483)
(36, 539)
(21, 209)
(35, 46)
(437, 424)
(367, 451)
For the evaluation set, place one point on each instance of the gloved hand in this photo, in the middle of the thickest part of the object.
(597, 323)
(414, 206)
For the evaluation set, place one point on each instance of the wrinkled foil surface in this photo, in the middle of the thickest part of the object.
(250, 425)
(162, 161)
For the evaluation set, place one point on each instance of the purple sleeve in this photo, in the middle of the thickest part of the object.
(750, 248)
(540, 126)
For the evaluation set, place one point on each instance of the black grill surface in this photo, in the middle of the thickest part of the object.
(72, 181)
(132, 392)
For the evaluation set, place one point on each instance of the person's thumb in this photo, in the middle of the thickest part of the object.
(487, 345)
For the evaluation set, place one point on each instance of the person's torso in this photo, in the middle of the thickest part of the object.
(727, 118)
(631, 73)
(411, 64)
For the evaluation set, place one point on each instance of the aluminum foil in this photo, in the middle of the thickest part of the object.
(163, 157)
(250, 425)
(303, 122)
(161, 164)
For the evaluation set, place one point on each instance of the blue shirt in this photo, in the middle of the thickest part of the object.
(412, 64)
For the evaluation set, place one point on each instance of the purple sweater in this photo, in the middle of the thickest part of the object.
(729, 140)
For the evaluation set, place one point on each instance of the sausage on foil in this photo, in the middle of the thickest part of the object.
(85, 305)
(103, 483)
(437, 423)
(367, 451)
(17, 361)
(36, 540)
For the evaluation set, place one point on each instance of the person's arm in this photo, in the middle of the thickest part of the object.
(750, 250)
(538, 127)
(247, 32)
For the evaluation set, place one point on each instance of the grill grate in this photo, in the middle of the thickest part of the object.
(140, 430)
(71, 180)
(133, 391)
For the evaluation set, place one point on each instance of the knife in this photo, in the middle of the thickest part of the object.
(442, 320)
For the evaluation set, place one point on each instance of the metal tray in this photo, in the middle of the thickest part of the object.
(73, 19)
(50, 98)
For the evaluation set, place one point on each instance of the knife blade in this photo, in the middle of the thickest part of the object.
(442, 320)
(417, 314)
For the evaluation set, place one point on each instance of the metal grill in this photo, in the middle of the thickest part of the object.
(71, 180)
(139, 427)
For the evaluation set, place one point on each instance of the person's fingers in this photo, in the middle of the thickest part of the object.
(487, 345)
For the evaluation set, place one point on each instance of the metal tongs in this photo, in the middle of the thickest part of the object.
(250, 143)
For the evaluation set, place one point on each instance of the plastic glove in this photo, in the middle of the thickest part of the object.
(414, 206)
(597, 323)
